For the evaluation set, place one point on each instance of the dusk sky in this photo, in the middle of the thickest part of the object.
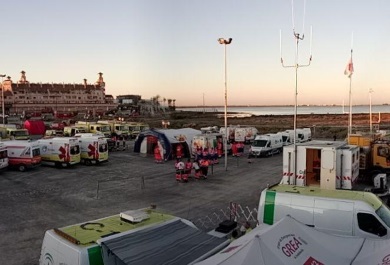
(170, 48)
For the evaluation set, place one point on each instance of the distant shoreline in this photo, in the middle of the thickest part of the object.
(262, 106)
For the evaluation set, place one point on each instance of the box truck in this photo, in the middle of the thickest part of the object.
(23, 154)
(60, 151)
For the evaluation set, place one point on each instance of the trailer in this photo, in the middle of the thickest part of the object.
(60, 151)
(23, 154)
(93, 148)
(327, 164)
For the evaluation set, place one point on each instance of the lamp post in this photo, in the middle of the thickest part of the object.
(224, 43)
(370, 92)
(2, 97)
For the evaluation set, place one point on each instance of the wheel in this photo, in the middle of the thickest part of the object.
(88, 162)
(64, 165)
(22, 167)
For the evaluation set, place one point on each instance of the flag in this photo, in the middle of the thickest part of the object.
(349, 68)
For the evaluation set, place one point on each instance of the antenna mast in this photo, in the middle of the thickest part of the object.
(298, 37)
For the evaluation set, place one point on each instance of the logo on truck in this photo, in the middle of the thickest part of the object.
(48, 259)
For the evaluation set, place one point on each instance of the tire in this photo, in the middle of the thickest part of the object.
(88, 162)
(22, 167)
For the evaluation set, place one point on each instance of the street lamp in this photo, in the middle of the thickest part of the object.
(2, 97)
(225, 42)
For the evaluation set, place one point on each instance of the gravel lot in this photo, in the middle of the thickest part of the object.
(43, 198)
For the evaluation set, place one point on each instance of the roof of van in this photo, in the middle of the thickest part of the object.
(367, 197)
(87, 233)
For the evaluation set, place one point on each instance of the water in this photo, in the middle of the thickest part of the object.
(289, 110)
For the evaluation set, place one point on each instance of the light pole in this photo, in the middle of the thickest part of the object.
(2, 97)
(224, 43)
(370, 92)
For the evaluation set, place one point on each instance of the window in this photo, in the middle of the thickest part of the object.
(102, 147)
(74, 150)
(368, 223)
(36, 152)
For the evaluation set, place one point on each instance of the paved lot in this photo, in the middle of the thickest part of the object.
(44, 198)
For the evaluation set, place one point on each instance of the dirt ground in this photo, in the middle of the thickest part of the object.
(322, 125)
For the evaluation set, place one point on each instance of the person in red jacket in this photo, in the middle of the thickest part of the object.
(234, 149)
(157, 155)
(187, 170)
(179, 151)
(219, 148)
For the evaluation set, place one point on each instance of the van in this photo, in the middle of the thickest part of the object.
(267, 145)
(59, 151)
(245, 134)
(285, 138)
(93, 148)
(339, 212)
(23, 154)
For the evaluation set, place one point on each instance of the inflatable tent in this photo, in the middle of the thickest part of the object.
(167, 140)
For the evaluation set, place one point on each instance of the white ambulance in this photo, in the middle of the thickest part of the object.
(93, 148)
(23, 154)
(60, 151)
(3, 156)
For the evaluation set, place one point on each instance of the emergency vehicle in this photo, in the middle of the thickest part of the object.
(60, 151)
(93, 127)
(267, 145)
(202, 141)
(93, 148)
(3, 156)
(317, 189)
(132, 234)
(119, 128)
(23, 154)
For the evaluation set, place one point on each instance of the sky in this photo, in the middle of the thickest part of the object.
(170, 48)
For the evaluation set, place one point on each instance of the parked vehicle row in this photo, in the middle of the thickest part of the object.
(88, 149)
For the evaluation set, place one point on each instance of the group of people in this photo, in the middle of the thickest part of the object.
(183, 170)
(237, 148)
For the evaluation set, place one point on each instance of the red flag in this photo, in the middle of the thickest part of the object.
(349, 68)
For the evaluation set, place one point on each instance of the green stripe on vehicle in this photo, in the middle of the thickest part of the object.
(269, 207)
(95, 256)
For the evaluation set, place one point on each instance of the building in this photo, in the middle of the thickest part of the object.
(23, 96)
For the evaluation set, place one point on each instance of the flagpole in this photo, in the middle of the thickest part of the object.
(350, 99)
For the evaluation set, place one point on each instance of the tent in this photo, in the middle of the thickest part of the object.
(175, 242)
(168, 139)
(288, 242)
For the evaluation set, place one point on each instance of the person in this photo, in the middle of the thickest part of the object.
(196, 167)
(179, 166)
(250, 156)
(204, 165)
(334, 137)
(240, 148)
(157, 155)
(219, 147)
(179, 151)
(187, 169)
(234, 149)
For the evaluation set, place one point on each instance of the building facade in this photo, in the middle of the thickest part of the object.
(23, 96)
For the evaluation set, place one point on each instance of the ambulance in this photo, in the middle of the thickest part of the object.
(3, 156)
(23, 154)
(60, 151)
(93, 148)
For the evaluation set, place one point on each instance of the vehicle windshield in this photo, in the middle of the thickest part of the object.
(104, 129)
(285, 138)
(384, 213)
(20, 133)
(120, 128)
(260, 143)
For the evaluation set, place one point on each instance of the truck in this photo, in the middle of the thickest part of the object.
(202, 141)
(13, 133)
(93, 148)
(60, 151)
(374, 155)
(131, 236)
(267, 145)
(318, 188)
(135, 128)
(3, 157)
(73, 130)
(23, 154)
(93, 127)
(118, 128)
(245, 134)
